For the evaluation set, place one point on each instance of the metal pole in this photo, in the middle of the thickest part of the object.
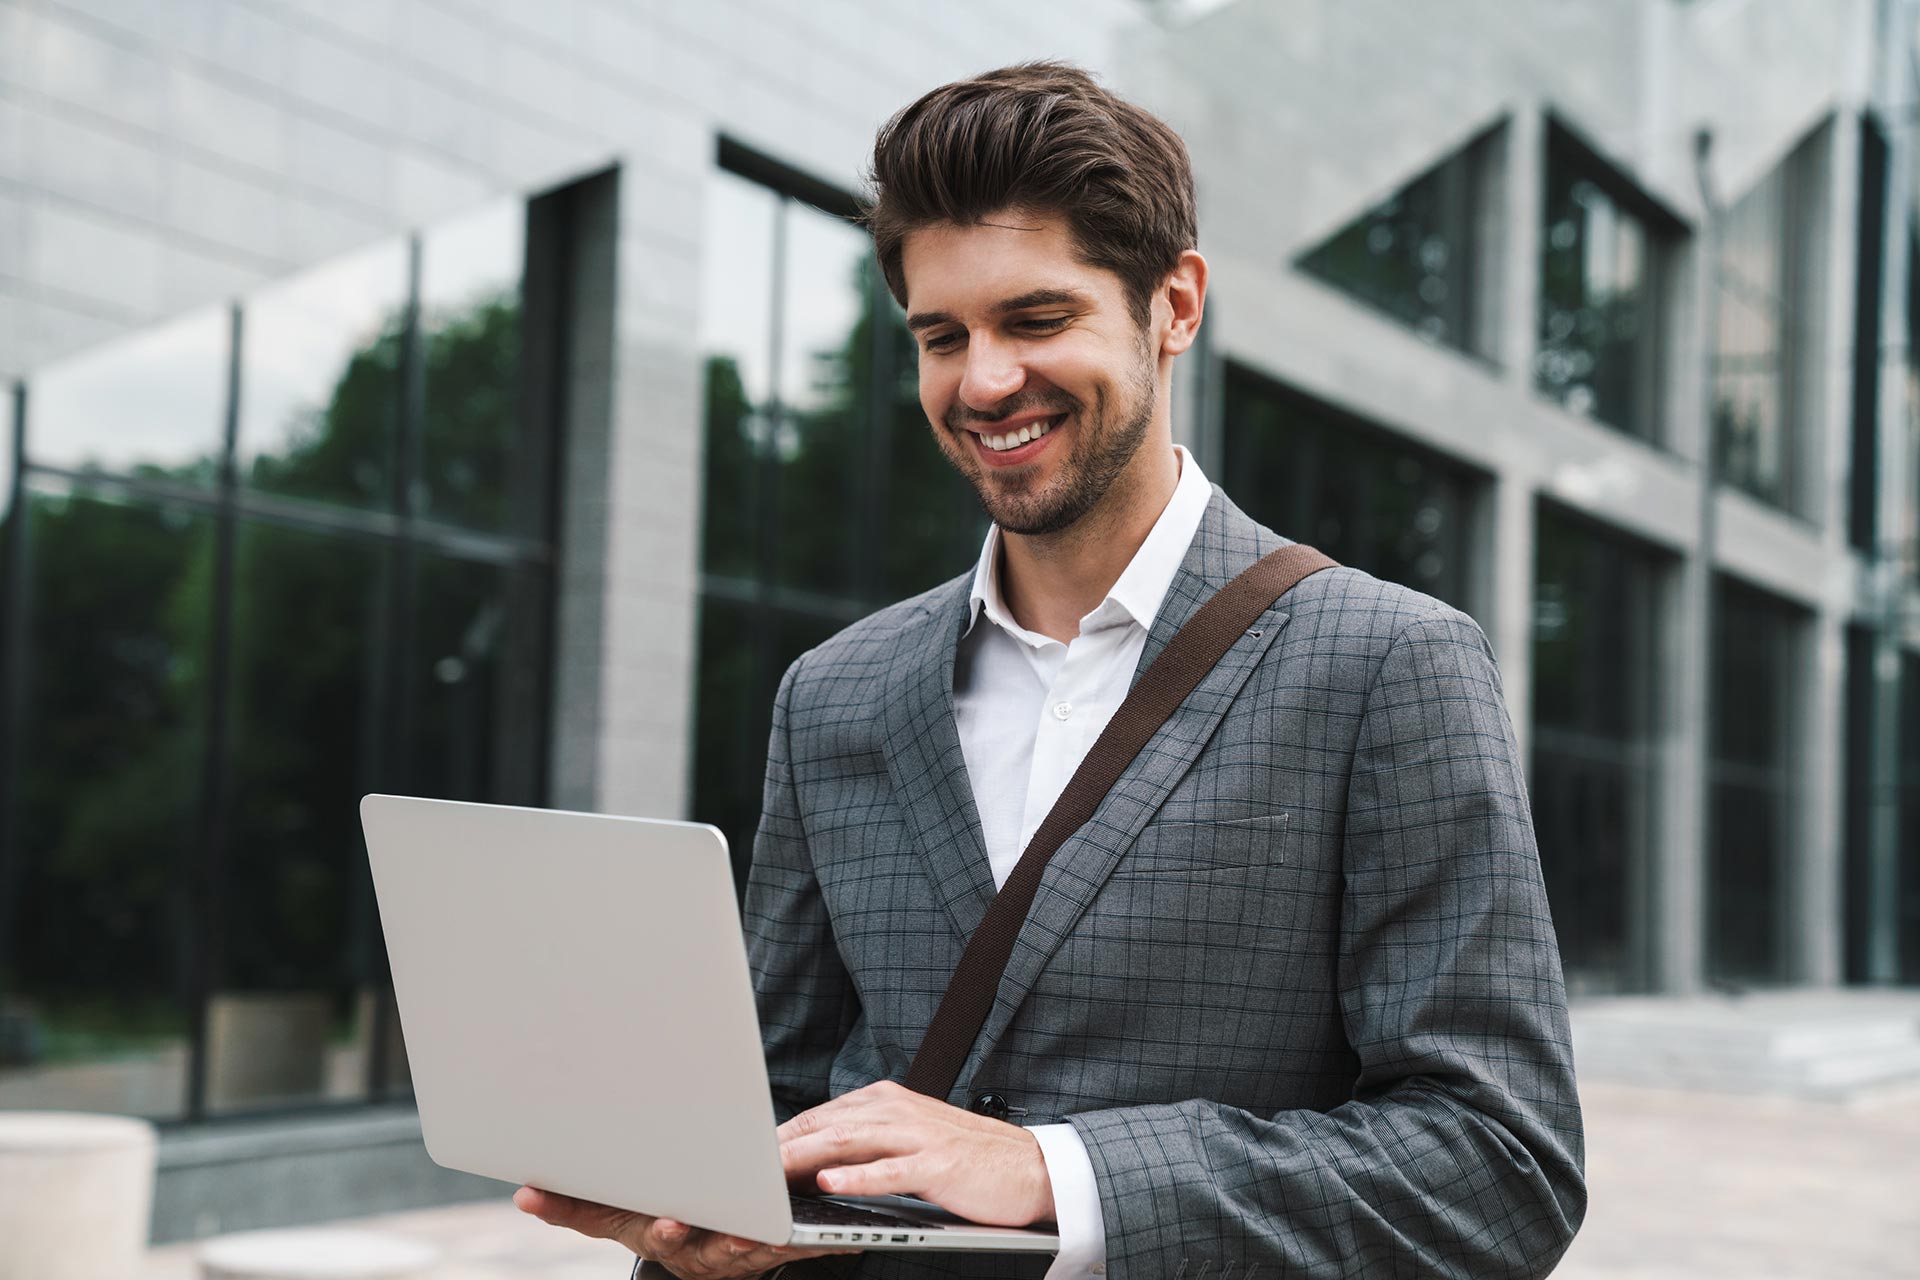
(13, 684)
(1896, 519)
(1701, 570)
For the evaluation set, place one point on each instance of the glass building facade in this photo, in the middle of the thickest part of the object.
(1363, 496)
(825, 497)
(1603, 266)
(1421, 254)
(1760, 330)
(261, 561)
(1596, 697)
(1753, 802)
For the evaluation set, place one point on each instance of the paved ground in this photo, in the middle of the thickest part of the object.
(1683, 1185)
(1702, 1186)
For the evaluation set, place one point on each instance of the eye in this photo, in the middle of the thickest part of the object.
(940, 342)
(1044, 324)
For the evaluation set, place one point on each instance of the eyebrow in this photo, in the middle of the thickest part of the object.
(1019, 302)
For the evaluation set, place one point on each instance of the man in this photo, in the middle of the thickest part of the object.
(1290, 1002)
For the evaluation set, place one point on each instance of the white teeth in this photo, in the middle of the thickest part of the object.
(1014, 439)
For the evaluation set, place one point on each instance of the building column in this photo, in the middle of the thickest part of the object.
(1898, 538)
(1504, 538)
(630, 504)
(655, 492)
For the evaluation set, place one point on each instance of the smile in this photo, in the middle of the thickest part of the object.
(1014, 439)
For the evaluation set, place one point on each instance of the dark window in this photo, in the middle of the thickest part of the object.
(1870, 262)
(1760, 329)
(1908, 872)
(824, 498)
(1603, 255)
(231, 626)
(1911, 370)
(1592, 780)
(1419, 254)
(1359, 494)
(108, 795)
(1756, 672)
(1857, 826)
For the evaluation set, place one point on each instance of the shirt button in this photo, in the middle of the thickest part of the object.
(1061, 710)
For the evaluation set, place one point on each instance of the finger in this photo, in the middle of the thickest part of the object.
(665, 1237)
(896, 1175)
(722, 1253)
(585, 1216)
(881, 1091)
(849, 1143)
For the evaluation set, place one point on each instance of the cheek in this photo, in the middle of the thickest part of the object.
(937, 390)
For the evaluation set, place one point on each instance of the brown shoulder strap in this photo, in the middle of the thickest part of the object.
(1161, 688)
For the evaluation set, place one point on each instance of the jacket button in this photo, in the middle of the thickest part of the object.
(990, 1105)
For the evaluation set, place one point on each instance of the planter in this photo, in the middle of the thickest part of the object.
(76, 1195)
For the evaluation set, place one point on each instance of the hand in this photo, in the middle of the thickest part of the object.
(686, 1251)
(886, 1139)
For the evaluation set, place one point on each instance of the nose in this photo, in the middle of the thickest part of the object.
(993, 373)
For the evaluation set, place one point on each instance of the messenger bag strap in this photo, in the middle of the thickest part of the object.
(1161, 688)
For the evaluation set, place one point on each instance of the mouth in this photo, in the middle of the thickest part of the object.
(1006, 448)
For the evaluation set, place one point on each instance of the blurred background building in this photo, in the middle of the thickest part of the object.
(487, 399)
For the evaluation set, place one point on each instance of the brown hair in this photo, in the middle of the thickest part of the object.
(1045, 138)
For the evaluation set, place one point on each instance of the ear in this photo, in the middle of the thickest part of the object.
(1185, 293)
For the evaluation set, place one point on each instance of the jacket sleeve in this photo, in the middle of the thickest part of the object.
(1460, 1152)
(807, 1002)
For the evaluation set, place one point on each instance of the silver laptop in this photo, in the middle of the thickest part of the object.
(574, 993)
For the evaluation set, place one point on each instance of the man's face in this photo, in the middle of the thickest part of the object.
(1017, 336)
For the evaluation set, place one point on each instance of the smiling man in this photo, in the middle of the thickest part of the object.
(1290, 1001)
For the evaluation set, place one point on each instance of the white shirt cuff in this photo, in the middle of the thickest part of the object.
(1076, 1204)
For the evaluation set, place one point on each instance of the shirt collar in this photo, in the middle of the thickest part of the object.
(1142, 586)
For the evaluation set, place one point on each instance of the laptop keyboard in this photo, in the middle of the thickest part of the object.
(808, 1212)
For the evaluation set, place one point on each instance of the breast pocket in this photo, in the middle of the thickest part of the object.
(1188, 848)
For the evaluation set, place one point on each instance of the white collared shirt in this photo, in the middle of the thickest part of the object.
(1028, 709)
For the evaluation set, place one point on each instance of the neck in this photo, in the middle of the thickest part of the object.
(1051, 581)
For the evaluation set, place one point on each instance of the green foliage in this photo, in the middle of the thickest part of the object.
(120, 652)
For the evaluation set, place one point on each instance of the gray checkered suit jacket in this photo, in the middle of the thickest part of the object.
(1295, 983)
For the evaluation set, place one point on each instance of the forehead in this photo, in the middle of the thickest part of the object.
(953, 268)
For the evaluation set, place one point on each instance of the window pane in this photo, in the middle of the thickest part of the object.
(1909, 868)
(734, 715)
(480, 462)
(477, 678)
(288, 1015)
(1359, 495)
(736, 335)
(821, 444)
(1598, 299)
(320, 382)
(743, 654)
(1757, 336)
(1754, 676)
(154, 404)
(1591, 779)
(110, 789)
(1413, 254)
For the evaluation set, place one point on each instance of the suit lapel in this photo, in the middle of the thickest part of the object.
(1226, 543)
(928, 771)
